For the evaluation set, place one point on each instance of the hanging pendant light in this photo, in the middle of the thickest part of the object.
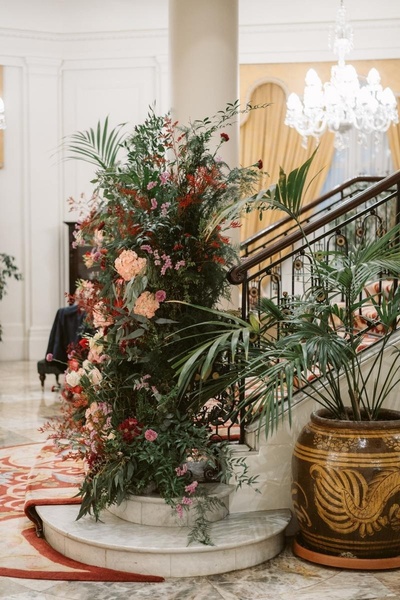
(342, 103)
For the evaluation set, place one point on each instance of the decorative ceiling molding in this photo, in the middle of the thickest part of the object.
(307, 42)
(87, 36)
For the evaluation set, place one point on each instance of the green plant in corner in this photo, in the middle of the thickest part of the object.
(8, 270)
(322, 333)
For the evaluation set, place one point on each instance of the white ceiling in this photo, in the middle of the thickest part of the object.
(99, 15)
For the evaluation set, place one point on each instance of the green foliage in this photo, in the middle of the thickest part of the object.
(8, 270)
(99, 147)
(156, 254)
(320, 336)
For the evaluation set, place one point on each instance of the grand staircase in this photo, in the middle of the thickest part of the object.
(141, 536)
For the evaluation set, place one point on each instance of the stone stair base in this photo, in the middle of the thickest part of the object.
(241, 540)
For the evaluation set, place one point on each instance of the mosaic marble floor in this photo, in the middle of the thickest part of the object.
(24, 407)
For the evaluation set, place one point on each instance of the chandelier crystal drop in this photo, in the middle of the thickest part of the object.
(343, 102)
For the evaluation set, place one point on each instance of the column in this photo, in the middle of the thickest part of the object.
(204, 67)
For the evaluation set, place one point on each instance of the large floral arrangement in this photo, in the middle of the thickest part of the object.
(157, 255)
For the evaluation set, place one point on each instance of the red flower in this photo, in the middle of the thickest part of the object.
(260, 164)
(77, 389)
(73, 365)
(219, 259)
(225, 137)
(130, 429)
(84, 343)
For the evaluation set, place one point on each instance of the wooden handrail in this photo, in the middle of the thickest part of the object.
(310, 206)
(237, 275)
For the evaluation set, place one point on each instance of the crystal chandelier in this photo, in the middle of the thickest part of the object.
(2, 118)
(342, 103)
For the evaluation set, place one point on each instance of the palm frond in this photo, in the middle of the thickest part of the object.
(99, 146)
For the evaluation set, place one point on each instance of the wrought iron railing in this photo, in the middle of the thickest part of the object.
(273, 261)
(348, 213)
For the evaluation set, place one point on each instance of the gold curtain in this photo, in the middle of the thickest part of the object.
(1, 130)
(394, 140)
(264, 136)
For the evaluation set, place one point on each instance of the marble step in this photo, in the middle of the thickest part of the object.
(241, 540)
(152, 509)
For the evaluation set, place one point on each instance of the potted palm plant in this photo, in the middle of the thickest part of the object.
(338, 345)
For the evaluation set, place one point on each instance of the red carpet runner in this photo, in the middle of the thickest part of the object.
(30, 475)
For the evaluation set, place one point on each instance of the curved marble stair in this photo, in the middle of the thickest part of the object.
(156, 545)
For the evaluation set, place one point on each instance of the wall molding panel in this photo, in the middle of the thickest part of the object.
(59, 78)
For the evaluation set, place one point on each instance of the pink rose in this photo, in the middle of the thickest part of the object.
(128, 264)
(160, 296)
(150, 435)
(95, 376)
(146, 305)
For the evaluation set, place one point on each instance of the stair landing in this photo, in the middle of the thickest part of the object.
(241, 540)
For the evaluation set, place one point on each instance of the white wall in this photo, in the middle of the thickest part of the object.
(55, 84)
(68, 63)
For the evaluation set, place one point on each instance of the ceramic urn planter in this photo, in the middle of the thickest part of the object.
(346, 491)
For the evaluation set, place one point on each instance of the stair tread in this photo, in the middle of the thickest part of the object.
(237, 529)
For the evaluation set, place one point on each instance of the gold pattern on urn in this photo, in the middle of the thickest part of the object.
(346, 502)
(334, 444)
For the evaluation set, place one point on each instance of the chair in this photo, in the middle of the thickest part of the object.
(44, 367)
(67, 328)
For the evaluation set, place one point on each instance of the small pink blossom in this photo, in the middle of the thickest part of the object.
(151, 185)
(49, 357)
(164, 177)
(147, 248)
(153, 204)
(150, 435)
(191, 488)
(164, 208)
(179, 510)
(187, 501)
(160, 295)
(181, 470)
(179, 264)
(167, 263)
(142, 383)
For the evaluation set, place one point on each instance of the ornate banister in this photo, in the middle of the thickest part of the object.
(237, 275)
(344, 189)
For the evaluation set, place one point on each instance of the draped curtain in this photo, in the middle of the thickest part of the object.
(265, 136)
(1, 130)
